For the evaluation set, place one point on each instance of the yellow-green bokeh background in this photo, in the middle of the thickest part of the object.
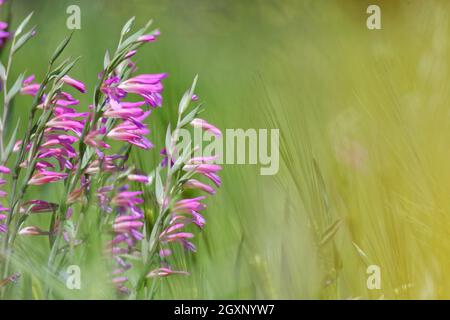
(364, 122)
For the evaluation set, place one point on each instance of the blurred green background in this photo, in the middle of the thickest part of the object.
(364, 122)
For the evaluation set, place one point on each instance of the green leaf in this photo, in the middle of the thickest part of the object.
(67, 68)
(60, 48)
(131, 39)
(169, 141)
(362, 254)
(182, 159)
(330, 232)
(87, 155)
(106, 60)
(127, 26)
(58, 69)
(15, 88)
(148, 24)
(184, 102)
(191, 115)
(194, 84)
(23, 24)
(159, 189)
(187, 97)
(144, 245)
(23, 39)
(2, 72)
(11, 143)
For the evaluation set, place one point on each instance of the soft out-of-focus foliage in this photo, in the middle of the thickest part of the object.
(364, 121)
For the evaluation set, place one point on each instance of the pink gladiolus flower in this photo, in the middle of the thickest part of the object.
(28, 87)
(165, 253)
(202, 168)
(68, 145)
(4, 35)
(148, 86)
(28, 80)
(171, 229)
(198, 219)
(172, 234)
(131, 132)
(146, 38)
(187, 205)
(120, 280)
(94, 139)
(149, 37)
(127, 226)
(74, 83)
(31, 90)
(38, 206)
(32, 231)
(139, 178)
(130, 54)
(163, 272)
(44, 177)
(123, 113)
(200, 123)
(207, 170)
(4, 170)
(62, 124)
(165, 160)
(195, 184)
(214, 178)
(127, 198)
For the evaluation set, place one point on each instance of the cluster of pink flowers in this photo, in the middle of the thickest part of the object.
(61, 132)
(126, 228)
(187, 211)
(86, 149)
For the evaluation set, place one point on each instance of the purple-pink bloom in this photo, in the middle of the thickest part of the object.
(139, 178)
(4, 170)
(74, 83)
(4, 34)
(32, 231)
(149, 37)
(146, 38)
(165, 160)
(44, 177)
(164, 271)
(132, 131)
(130, 54)
(187, 205)
(195, 184)
(203, 124)
(38, 206)
(203, 168)
(148, 86)
(29, 87)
